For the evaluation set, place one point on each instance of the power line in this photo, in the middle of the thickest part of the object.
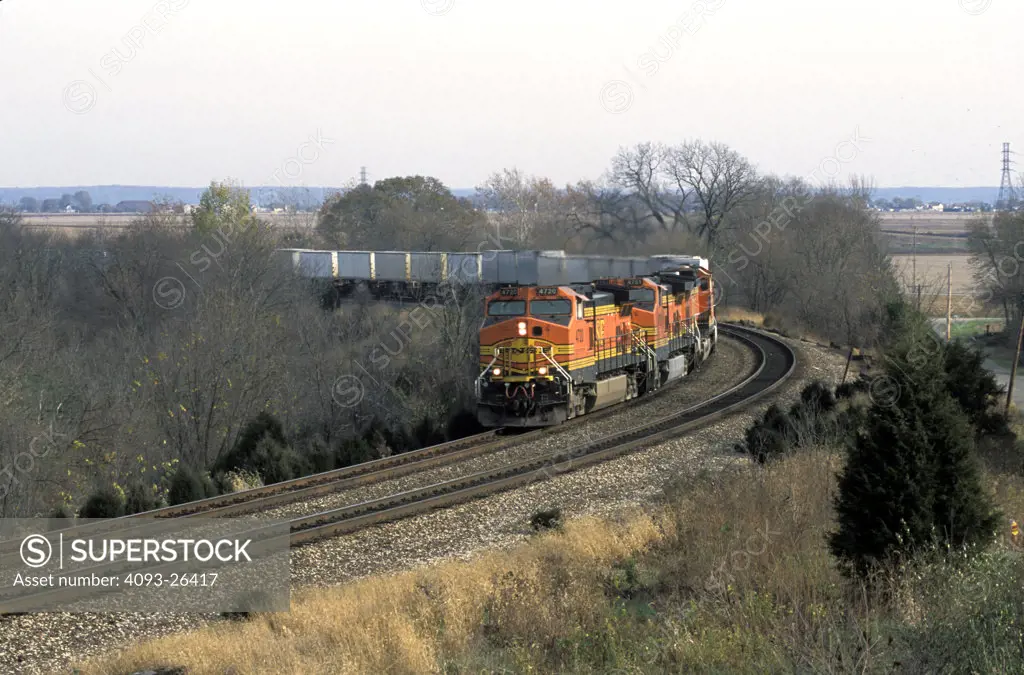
(1007, 193)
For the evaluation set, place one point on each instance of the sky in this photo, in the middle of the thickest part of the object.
(182, 92)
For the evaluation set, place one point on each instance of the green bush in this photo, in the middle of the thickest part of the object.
(275, 462)
(975, 388)
(104, 503)
(354, 451)
(320, 456)
(911, 482)
(241, 456)
(771, 436)
(186, 486)
(138, 499)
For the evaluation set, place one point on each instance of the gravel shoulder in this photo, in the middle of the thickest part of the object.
(51, 642)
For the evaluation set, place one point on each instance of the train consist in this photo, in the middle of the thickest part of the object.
(563, 334)
(552, 353)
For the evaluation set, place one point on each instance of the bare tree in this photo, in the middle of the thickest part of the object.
(528, 211)
(719, 180)
(646, 172)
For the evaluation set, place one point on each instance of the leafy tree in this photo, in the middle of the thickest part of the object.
(910, 481)
(411, 213)
(224, 208)
(51, 206)
(28, 205)
(66, 200)
(82, 201)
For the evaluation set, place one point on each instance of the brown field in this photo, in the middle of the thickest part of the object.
(75, 224)
(928, 222)
(931, 276)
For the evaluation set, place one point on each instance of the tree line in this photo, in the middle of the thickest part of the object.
(166, 356)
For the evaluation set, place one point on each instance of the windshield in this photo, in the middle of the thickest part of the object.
(550, 307)
(642, 295)
(507, 308)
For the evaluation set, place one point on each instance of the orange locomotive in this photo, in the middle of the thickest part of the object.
(549, 354)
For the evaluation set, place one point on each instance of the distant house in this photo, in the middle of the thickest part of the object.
(69, 209)
(134, 206)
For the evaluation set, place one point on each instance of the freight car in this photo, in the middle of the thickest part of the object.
(552, 353)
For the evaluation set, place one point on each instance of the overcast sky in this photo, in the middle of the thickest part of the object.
(459, 88)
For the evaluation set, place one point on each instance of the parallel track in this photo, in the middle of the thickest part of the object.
(775, 363)
(365, 473)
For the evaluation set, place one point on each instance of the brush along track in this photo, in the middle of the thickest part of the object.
(305, 489)
(732, 362)
(775, 362)
(315, 485)
(260, 500)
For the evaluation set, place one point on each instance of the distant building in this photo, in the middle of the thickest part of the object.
(70, 209)
(134, 206)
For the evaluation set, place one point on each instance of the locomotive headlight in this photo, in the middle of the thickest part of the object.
(543, 370)
(522, 328)
(496, 372)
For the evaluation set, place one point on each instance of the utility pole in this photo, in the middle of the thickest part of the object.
(917, 290)
(1013, 368)
(949, 300)
(914, 257)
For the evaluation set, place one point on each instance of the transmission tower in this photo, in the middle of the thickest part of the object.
(1007, 193)
(362, 176)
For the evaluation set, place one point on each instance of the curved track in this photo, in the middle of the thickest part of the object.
(774, 364)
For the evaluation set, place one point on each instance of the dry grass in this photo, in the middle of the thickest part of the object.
(730, 574)
(737, 314)
(408, 623)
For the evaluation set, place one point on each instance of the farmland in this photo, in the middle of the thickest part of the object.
(944, 233)
(75, 224)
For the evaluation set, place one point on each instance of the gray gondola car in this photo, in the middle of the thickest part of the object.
(499, 267)
(391, 265)
(427, 267)
(464, 268)
(307, 263)
(317, 264)
(355, 265)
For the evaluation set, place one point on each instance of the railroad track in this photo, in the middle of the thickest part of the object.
(774, 364)
(328, 482)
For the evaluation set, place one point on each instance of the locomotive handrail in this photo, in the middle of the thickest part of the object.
(561, 371)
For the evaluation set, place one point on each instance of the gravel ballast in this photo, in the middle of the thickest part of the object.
(52, 642)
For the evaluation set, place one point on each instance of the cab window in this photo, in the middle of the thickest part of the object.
(507, 308)
(643, 298)
(550, 307)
